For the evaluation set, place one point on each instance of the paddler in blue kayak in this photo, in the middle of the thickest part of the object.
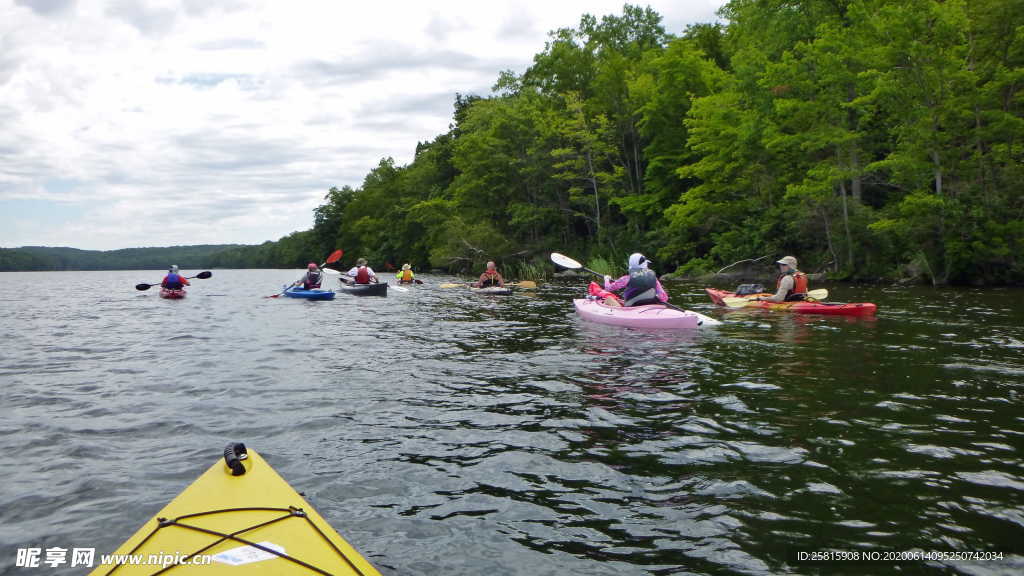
(312, 279)
(361, 273)
(640, 286)
(173, 280)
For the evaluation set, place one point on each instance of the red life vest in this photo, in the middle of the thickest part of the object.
(489, 279)
(799, 284)
(362, 275)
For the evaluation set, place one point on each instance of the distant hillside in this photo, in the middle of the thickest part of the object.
(35, 258)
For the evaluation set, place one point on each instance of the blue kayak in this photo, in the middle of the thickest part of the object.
(296, 292)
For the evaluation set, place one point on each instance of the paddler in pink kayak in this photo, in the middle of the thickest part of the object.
(640, 286)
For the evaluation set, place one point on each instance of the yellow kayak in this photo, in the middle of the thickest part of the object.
(239, 517)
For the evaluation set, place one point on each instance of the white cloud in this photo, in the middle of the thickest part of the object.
(171, 122)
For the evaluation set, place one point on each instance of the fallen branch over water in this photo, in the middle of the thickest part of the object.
(741, 262)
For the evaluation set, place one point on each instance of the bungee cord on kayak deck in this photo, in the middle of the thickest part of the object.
(243, 477)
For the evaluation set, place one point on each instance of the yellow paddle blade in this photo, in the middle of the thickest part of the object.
(450, 285)
(735, 302)
(819, 294)
(528, 284)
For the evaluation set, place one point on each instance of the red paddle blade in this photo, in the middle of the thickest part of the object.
(335, 256)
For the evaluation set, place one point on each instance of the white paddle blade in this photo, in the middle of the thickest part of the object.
(330, 271)
(565, 262)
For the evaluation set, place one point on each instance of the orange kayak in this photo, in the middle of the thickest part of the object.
(831, 308)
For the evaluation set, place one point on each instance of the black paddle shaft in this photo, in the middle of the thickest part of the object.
(202, 276)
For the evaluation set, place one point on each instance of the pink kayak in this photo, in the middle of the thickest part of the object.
(649, 316)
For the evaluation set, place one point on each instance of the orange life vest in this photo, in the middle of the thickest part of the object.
(799, 284)
(407, 276)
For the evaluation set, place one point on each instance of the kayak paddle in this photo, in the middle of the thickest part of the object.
(201, 276)
(741, 302)
(566, 262)
(570, 264)
(334, 257)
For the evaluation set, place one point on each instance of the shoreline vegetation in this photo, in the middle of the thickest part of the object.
(875, 140)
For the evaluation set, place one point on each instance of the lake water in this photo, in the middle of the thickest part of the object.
(441, 432)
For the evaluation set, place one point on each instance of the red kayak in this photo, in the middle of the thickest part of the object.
(172, 294)
(831, 308)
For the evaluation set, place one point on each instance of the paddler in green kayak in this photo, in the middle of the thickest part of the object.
(490, 278)
(791, 285)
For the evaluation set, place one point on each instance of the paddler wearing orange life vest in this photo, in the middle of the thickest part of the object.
(791, 285)
(405, 275)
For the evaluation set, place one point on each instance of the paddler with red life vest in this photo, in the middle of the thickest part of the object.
(405, 275)
(640, 286)
(791, 285)
(361, 273)
(491, 277)
(312, 278)
(173, 280)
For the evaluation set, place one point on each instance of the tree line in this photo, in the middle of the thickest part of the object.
(43, 258)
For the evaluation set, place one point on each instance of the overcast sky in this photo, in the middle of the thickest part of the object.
(140, 123)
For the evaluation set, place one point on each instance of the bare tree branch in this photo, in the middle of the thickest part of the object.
(741, 262)
(473, 248)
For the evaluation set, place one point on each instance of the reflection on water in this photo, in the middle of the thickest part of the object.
(446, 432)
